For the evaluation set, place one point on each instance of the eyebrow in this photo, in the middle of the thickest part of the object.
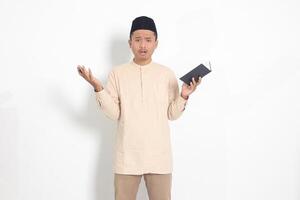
(137, 37)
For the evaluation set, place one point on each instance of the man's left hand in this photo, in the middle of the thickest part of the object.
(187, 90)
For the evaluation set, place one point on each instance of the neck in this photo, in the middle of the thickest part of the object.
(142, 62)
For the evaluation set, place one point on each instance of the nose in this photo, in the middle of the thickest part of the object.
(143, 44)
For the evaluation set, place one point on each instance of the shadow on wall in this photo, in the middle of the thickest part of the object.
(9, 130)
(94, 121)
(119, 51)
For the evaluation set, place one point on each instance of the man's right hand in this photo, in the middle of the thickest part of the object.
(88, 76)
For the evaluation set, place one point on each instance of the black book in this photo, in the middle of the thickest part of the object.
(199, 71)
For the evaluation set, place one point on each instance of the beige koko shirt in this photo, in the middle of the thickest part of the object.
(142, 99)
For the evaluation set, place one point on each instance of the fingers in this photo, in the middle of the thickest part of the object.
(81, 69)
(199, 81)
(86, 74)
(90, 74)
(191, 85)
(194, 84)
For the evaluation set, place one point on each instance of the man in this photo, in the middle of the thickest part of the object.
(141, 96)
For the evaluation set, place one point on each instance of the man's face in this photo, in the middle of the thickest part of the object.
(143, 44)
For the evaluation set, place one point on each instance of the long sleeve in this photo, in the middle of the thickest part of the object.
(176, 101)
(108, 98)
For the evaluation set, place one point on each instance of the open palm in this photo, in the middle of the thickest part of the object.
(88, 76)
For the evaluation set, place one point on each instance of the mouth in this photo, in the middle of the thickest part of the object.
(143, 52)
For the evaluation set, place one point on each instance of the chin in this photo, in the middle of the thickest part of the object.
(143, 58)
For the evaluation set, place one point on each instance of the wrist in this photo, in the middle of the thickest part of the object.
(98, 88)
(185, 96)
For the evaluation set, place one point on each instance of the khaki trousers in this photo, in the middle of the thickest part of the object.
(158, 186)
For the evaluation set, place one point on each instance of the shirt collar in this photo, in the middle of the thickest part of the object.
(141, 66)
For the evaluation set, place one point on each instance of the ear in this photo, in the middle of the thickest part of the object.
(129, 42)
(156, 43)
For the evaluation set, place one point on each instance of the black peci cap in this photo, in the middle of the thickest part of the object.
(143, 22)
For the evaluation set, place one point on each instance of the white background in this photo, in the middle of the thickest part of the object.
(239, 137)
